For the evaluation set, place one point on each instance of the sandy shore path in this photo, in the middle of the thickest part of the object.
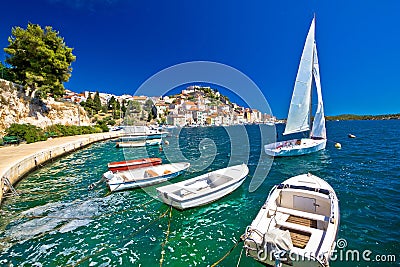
(15, 161)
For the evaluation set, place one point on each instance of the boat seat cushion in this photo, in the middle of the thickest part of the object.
(150, 173)
(124, 177)
(303, 214)
(316, 234)
(198, 185)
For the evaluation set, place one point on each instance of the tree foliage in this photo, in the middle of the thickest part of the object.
(97, 102)
(27, 132)
(68, 130)
(134, 106)
(115, 107)
(31, 133)
(123, 107)
(89, 105)
(345, 117)
(39, 58)
(148, 105)
(6, 73)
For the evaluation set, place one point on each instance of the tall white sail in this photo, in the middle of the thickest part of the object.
(318, 129)
(299, 112)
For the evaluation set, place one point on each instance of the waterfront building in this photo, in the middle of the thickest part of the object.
(177, 120)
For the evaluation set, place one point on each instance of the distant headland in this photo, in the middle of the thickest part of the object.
(348, 117)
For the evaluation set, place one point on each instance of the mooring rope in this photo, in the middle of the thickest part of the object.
(227, 254)
(166, 237)
(240, 257)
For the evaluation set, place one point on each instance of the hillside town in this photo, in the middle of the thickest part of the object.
(194, 106)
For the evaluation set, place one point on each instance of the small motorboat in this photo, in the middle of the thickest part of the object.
(351, 136)
(133, 164)
(146, 176)
(141, 143)
(203, 189)
(131, 144)
(297, 225)
(153, 142)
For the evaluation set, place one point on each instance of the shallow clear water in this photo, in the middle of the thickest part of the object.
(57, 222)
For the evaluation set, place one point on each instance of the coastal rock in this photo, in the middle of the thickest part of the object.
(17, 106)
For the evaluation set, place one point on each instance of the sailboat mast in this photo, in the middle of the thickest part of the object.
(310, 109)
(312, 75)
(312, 70)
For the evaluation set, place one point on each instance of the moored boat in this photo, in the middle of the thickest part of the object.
(297, 225)
(141, 143)
(131, 144)
(133, 164)
(143, 132)
(203, 189)
(142, 177)
(153, 142)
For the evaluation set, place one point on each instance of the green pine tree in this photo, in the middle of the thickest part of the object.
(39, 58)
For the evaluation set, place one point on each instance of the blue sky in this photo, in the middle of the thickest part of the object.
(119, 44)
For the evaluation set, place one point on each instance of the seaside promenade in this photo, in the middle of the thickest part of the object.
(16, 161)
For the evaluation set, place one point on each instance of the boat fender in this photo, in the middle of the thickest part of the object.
(90, 187)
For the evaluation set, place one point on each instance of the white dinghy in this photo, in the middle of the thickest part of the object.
(130, 144)
(142, 177)
(299, 118)
(203, 189)
(297, 225)
(153, 142)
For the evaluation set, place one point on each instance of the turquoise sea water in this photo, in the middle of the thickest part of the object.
(56, 222)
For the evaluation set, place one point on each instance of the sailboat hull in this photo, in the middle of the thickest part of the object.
(295, 147)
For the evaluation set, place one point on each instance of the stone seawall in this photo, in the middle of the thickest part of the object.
(17, 161)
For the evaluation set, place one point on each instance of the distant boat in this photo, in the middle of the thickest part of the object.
(133, 164)
(141, 132)
(351, 136)
(153, 142)
(297, 225)
(131, 144)
(167, 127)
(299, 118)
(142, 177)
(203, 189)
(141, 143)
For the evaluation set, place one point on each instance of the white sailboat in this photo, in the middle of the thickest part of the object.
(299, 117)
